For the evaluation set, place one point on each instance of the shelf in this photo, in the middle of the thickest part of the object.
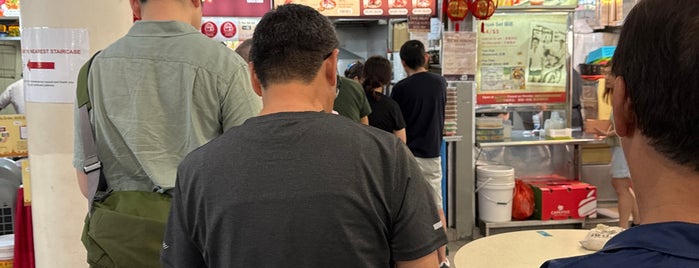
(10, 38)
(490, 228)
(525, 138)
(9, 17)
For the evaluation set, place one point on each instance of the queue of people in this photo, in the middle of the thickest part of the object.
(259, 172)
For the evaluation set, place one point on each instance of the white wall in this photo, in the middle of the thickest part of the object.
(58, 207)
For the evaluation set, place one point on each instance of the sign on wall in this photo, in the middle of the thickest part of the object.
(51, 59)
(228, 28)
(522, 59)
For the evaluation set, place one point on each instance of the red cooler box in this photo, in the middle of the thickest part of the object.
(564, 199)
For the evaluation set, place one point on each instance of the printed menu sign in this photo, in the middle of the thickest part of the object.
(522, 59)
(459, 61)
(367, 8)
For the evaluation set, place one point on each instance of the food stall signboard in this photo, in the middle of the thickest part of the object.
(235, 8)
(522, 59)
(536, 3)
(367, 8)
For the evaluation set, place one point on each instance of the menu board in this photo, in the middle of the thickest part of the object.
(9, 8)
(522, 59)
(367, 8)
(536, 3)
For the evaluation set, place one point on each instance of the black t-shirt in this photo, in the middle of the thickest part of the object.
(385, 113)
(421, 98)
(304, 189)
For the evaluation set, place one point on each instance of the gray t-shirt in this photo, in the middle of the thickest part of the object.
(304, 189)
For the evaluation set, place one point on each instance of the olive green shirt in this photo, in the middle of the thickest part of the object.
(158, 93)
(351, 101)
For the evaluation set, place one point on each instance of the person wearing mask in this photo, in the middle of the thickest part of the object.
(422, 97)
(14, 94)
(298, 186)
(385, 113)
(158, 93)
(655, 116)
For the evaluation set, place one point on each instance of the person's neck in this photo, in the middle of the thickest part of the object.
(165, 11)
(665, 191)
(411, 72)
(293, 97)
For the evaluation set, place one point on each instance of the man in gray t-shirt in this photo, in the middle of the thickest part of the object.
(298, 186)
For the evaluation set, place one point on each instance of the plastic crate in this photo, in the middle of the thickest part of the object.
(604, 52)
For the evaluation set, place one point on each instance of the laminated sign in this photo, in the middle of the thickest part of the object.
(13, 136)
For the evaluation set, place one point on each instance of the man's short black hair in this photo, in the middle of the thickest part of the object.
(413, 54)
(290, 43)
(658, 57)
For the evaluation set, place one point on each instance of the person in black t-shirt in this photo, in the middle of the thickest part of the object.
(385, 113)
(421, 98)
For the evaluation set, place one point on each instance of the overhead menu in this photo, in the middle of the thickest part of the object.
(367, 8)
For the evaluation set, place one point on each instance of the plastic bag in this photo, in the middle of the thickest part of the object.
(523, 201)
(599, 236)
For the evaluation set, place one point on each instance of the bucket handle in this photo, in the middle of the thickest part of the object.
(483, 184)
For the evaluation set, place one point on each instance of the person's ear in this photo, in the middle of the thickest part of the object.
(196, 3)
(624, 115)
(256, 85)
(136, 9)
(427, 60)
(331, 67)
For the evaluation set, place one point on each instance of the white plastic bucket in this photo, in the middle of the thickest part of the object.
(495, 187)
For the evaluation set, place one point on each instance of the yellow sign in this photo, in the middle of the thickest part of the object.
(13, 135)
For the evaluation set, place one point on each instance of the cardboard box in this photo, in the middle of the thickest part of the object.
(591, 124)
(564, 199)
(13, 135)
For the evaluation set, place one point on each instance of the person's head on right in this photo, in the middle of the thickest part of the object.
(413, 55)
(377, 73)
(290, 44)
(188, 11)
(656, 72)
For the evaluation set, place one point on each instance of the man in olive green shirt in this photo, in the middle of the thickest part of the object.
(160, 92)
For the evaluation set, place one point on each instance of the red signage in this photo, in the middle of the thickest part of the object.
(228, 29)
(368, 8)
(209, 29)
(41, 65)
(236, 8)
(538, 97)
